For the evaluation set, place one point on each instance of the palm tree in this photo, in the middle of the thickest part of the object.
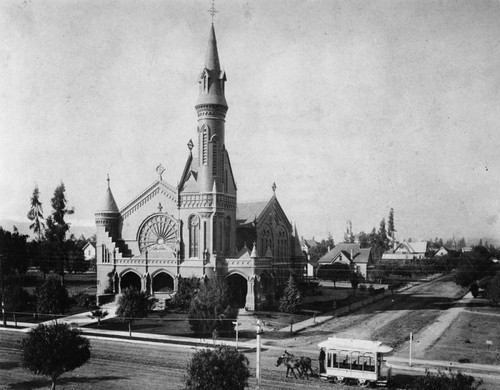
(36, 213)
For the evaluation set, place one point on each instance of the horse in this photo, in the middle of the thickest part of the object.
(302, 364)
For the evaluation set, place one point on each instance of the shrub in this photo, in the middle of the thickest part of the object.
(215, 369)
(134, 304)
(291, 298)
(52, 298)
(445, 381)
(52, 350)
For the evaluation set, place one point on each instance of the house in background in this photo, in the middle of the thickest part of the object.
(443, 251)
(306, 245)
(89, 251)
(357, 258)
(407, 251)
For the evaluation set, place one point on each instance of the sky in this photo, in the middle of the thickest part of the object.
(350, 107)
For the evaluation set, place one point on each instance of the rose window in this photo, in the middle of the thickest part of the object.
(157, 233)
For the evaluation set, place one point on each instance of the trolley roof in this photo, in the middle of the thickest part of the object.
(355, 345)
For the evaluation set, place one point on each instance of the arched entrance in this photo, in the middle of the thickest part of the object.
(130, 280)
(237, 286)
(163, 283)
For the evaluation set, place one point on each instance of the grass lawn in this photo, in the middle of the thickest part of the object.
(466, 339)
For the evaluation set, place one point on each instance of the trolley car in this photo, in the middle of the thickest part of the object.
(359, 360)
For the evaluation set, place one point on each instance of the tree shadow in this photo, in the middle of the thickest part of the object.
(8, 365)
(44, 382)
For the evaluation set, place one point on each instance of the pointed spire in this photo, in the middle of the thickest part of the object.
(212, 78)
(254, 254)
(212, 57)
(108, 205)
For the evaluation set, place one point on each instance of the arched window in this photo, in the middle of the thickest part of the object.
(227, 235)
(194, 235)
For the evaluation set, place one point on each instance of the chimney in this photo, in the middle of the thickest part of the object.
(352, 254)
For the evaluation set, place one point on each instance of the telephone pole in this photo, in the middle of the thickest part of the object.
(4, 320)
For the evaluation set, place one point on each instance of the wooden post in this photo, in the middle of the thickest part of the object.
(129, 329)
(411, 339)
(3, 293)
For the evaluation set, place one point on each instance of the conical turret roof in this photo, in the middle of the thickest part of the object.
(108, 204)
(212, 57)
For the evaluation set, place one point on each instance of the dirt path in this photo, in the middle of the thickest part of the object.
(388, 318)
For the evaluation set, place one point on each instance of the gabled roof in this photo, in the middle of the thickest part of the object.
(310, 243)
(413, 247)
(87, 245)
(335, 252)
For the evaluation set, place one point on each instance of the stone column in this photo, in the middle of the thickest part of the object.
(250, 299)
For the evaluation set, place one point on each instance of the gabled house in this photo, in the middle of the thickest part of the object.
(407, 251)
(89, 251)
(357, 258)
(306, 245)
(443, 251)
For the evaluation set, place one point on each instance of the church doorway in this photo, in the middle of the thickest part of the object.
(163, 283)
(130, 280)
(237, 286)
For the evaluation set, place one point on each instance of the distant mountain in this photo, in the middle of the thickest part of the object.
(24, 228)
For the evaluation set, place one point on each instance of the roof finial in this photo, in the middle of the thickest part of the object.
(274, 188)
(160, 170)
(108, 180)
(190, 145)
(212, 11)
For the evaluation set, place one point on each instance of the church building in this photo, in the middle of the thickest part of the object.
(198, 228)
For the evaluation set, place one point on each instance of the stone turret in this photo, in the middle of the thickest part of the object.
(107, 216)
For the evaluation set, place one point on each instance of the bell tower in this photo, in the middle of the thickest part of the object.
(207, 190)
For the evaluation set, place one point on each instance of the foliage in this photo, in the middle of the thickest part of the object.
(17, 299)
(52, 350)
(57, 227)
(134, 304)
(334, 272)
(445, 381)
(52, 298)
(210, 308)
(99, 314)
(75, 260)
(494, 289)
(473, 266)
(84, 300)
(220, 368)
(13, 248)
(318, 251)
(187, 289)
(35, 214)
(390, 224)
(291, 298)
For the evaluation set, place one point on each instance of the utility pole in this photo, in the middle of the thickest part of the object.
(258, 325)
(411, 339)
(4, 320)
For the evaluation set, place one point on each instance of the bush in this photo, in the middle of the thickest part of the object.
(493, 290)
(215, 369)
(444, 381)
(84, 301)
(187, 289)
(52, 298)
(17, 299)
(52, 350)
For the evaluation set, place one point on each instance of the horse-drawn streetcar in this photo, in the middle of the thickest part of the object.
(359, 360)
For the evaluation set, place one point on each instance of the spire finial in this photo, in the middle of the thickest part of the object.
(212, 11)
(108, 180)
(274, 188)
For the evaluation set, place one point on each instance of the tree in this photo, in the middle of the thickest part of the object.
(99, 314)
(52, 350)
(52, 298)
(57, 228)
(14, 251)
(17, 299)
(390, 224)
(220, 368)
(444, 381)
(187, 289)
(493, 290)
(291, 298)
(35, 215)
(210, 309)
(134, 304)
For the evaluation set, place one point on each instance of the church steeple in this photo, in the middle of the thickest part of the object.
(212, 78)
(211, 108)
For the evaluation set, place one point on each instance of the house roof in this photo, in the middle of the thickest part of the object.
(88, 244)
(310, 242)
(352, 252)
